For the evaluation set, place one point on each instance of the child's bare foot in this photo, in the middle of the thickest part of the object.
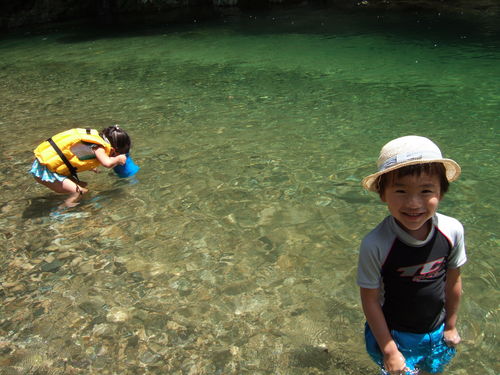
(74, 198)
(68, 203)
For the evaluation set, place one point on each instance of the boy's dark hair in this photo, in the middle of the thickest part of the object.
(415, 170)
(118, 138)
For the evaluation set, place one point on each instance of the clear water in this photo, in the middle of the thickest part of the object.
(234, 250)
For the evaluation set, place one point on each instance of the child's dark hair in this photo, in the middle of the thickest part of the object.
(118, 138)
(431, 169)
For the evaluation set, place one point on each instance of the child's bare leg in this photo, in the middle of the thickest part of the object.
(67, 186)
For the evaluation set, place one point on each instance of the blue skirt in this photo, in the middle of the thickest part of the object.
(41, 171)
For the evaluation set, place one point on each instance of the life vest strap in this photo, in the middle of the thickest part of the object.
(63, 157)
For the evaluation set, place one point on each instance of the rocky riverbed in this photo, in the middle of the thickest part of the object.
(89, 292)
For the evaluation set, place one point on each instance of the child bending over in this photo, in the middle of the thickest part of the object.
(58, 159)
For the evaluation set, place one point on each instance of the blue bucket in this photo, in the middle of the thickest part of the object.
(128, 169)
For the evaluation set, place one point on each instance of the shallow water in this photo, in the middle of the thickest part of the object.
(234, 249)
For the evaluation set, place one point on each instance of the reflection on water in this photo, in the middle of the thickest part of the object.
(234, 251)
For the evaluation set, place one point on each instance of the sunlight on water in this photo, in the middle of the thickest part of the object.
(235, 248)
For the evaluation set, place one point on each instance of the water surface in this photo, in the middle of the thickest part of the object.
(234, 250)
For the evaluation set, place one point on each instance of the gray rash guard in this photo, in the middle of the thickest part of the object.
(410, 273)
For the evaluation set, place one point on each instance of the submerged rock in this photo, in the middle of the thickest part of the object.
(118, 315)
(52, 266)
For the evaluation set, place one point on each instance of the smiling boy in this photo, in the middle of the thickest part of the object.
(409, 265)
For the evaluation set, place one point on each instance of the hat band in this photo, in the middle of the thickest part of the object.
(409, 156)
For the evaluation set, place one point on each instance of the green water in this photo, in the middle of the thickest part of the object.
(234, 251)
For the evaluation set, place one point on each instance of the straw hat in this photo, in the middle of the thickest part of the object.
(409, 150)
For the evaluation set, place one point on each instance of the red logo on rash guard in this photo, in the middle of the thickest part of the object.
(422, 271)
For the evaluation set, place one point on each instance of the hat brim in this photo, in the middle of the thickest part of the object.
(453, 171)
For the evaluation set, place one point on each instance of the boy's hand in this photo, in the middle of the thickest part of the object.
(395, 363)
(451, 337)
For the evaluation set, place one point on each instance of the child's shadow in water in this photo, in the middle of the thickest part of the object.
(42, 206)
(53, 205)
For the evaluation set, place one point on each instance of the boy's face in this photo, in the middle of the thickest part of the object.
(413, 200)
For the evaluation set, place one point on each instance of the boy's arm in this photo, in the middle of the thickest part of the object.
(453, 292)
(109, 161)
(393, 359)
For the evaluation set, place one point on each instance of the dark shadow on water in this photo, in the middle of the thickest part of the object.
(42, 206)
(311, 357)
(320, 358)
(124, 26)
(50, 205)
(328, 21)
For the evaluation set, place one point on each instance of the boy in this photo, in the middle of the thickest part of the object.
(409, 265)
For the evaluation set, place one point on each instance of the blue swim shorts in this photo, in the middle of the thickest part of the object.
(422, 351)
